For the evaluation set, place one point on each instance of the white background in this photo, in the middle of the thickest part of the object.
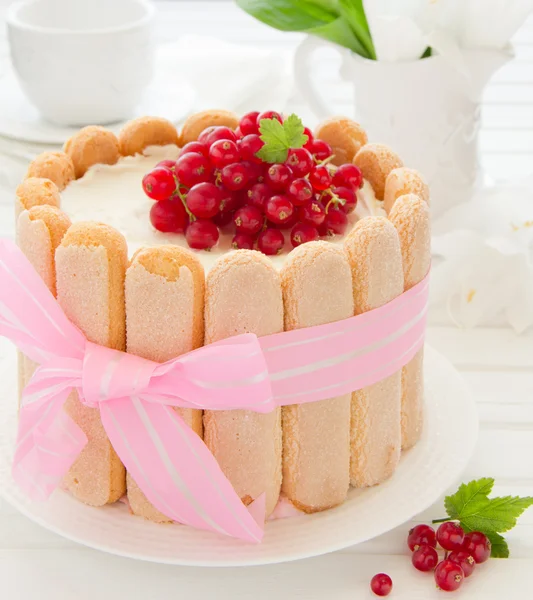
(37, 565)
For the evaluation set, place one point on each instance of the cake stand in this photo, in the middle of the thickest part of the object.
(423, 476)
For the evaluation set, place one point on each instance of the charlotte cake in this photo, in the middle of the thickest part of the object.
(157, 304)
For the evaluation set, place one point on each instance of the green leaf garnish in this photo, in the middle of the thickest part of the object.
(475, 511)
(278, 138)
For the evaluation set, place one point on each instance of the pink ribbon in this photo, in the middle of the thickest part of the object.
(171, 464)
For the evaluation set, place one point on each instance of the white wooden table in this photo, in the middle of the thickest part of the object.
(498, 365)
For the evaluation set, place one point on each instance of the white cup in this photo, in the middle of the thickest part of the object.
(82, 62)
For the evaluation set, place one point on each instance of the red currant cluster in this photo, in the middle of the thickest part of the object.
(219, 182)
(462, 553)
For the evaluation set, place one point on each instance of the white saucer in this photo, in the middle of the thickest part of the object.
(423, 476)
(168, 96)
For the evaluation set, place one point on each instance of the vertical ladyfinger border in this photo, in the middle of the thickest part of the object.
(39, 232)
(317, 289)
(374, 254)
(243, 295)
(410, 216)
(90, 268)
(164, 319)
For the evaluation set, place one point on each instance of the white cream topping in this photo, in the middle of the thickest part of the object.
(113, 194)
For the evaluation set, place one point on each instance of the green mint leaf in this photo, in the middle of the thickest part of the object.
(294, 129)
(468, 494)
(499, 547)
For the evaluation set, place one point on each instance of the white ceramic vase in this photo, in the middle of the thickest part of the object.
(427, 110)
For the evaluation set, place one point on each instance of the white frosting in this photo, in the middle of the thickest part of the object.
(113, 194)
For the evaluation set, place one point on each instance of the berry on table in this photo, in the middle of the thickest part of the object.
(202, 234)
(320, 178)
(204, 200)
(234, 176)
(421, 534)
(223, 152)
(300, 161)
(478, 545)
(448, 576)
(271, 241)
(169, 216)
(450, 536)
(278, 177)
(197, 147)
(302, 233)
(348, 175)
(249, 146)
(425, 558)
(192, 168)
(248, 219)
(464, 560)
(268, 114)
(159, 184)
(279, 209)
(242, 241)
(300, 191)
(381, 584)
(248, 123)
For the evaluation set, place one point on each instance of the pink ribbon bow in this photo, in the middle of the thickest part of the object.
(170, 463)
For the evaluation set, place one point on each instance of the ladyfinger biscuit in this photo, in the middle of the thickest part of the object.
(374, 254)
(146, 131)
(90, 270)
(90, 146)
(317, 289)
(403, 181)
(196, 123)
(55, 166)
(164, 318)
(35, 191)
(344, 136)
(39, 232)
(410, 216)
(376, 161)
(243, 295)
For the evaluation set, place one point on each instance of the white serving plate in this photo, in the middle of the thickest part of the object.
(424, 474)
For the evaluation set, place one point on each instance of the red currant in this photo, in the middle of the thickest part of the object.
(348, 175)
(249, 146)
(215, 133)
(248, 219)
(167, 164)
(254, 171)
(478, 545)
(425, 558)
(242, 241)
(300, 161)
(310, 137)
(381, 584)
(320, 178)
(421, 534)
(202, 234)
(258, 194)
(302, 233)
(464, 560)
(450, 536)
(248, 123)
(223, 219)
(449, 576)
(197, 147)
(335, 222)
(204, 200)
(234, 176)
(320, 150)
(300, 191)
(270, 241)
(348, 196)
(159, 184)
(192, 168)
(279, 209)
(169, 216)
(268, 114)
(238, 133)
(278, 177)
(223, 152)
(312, 213)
